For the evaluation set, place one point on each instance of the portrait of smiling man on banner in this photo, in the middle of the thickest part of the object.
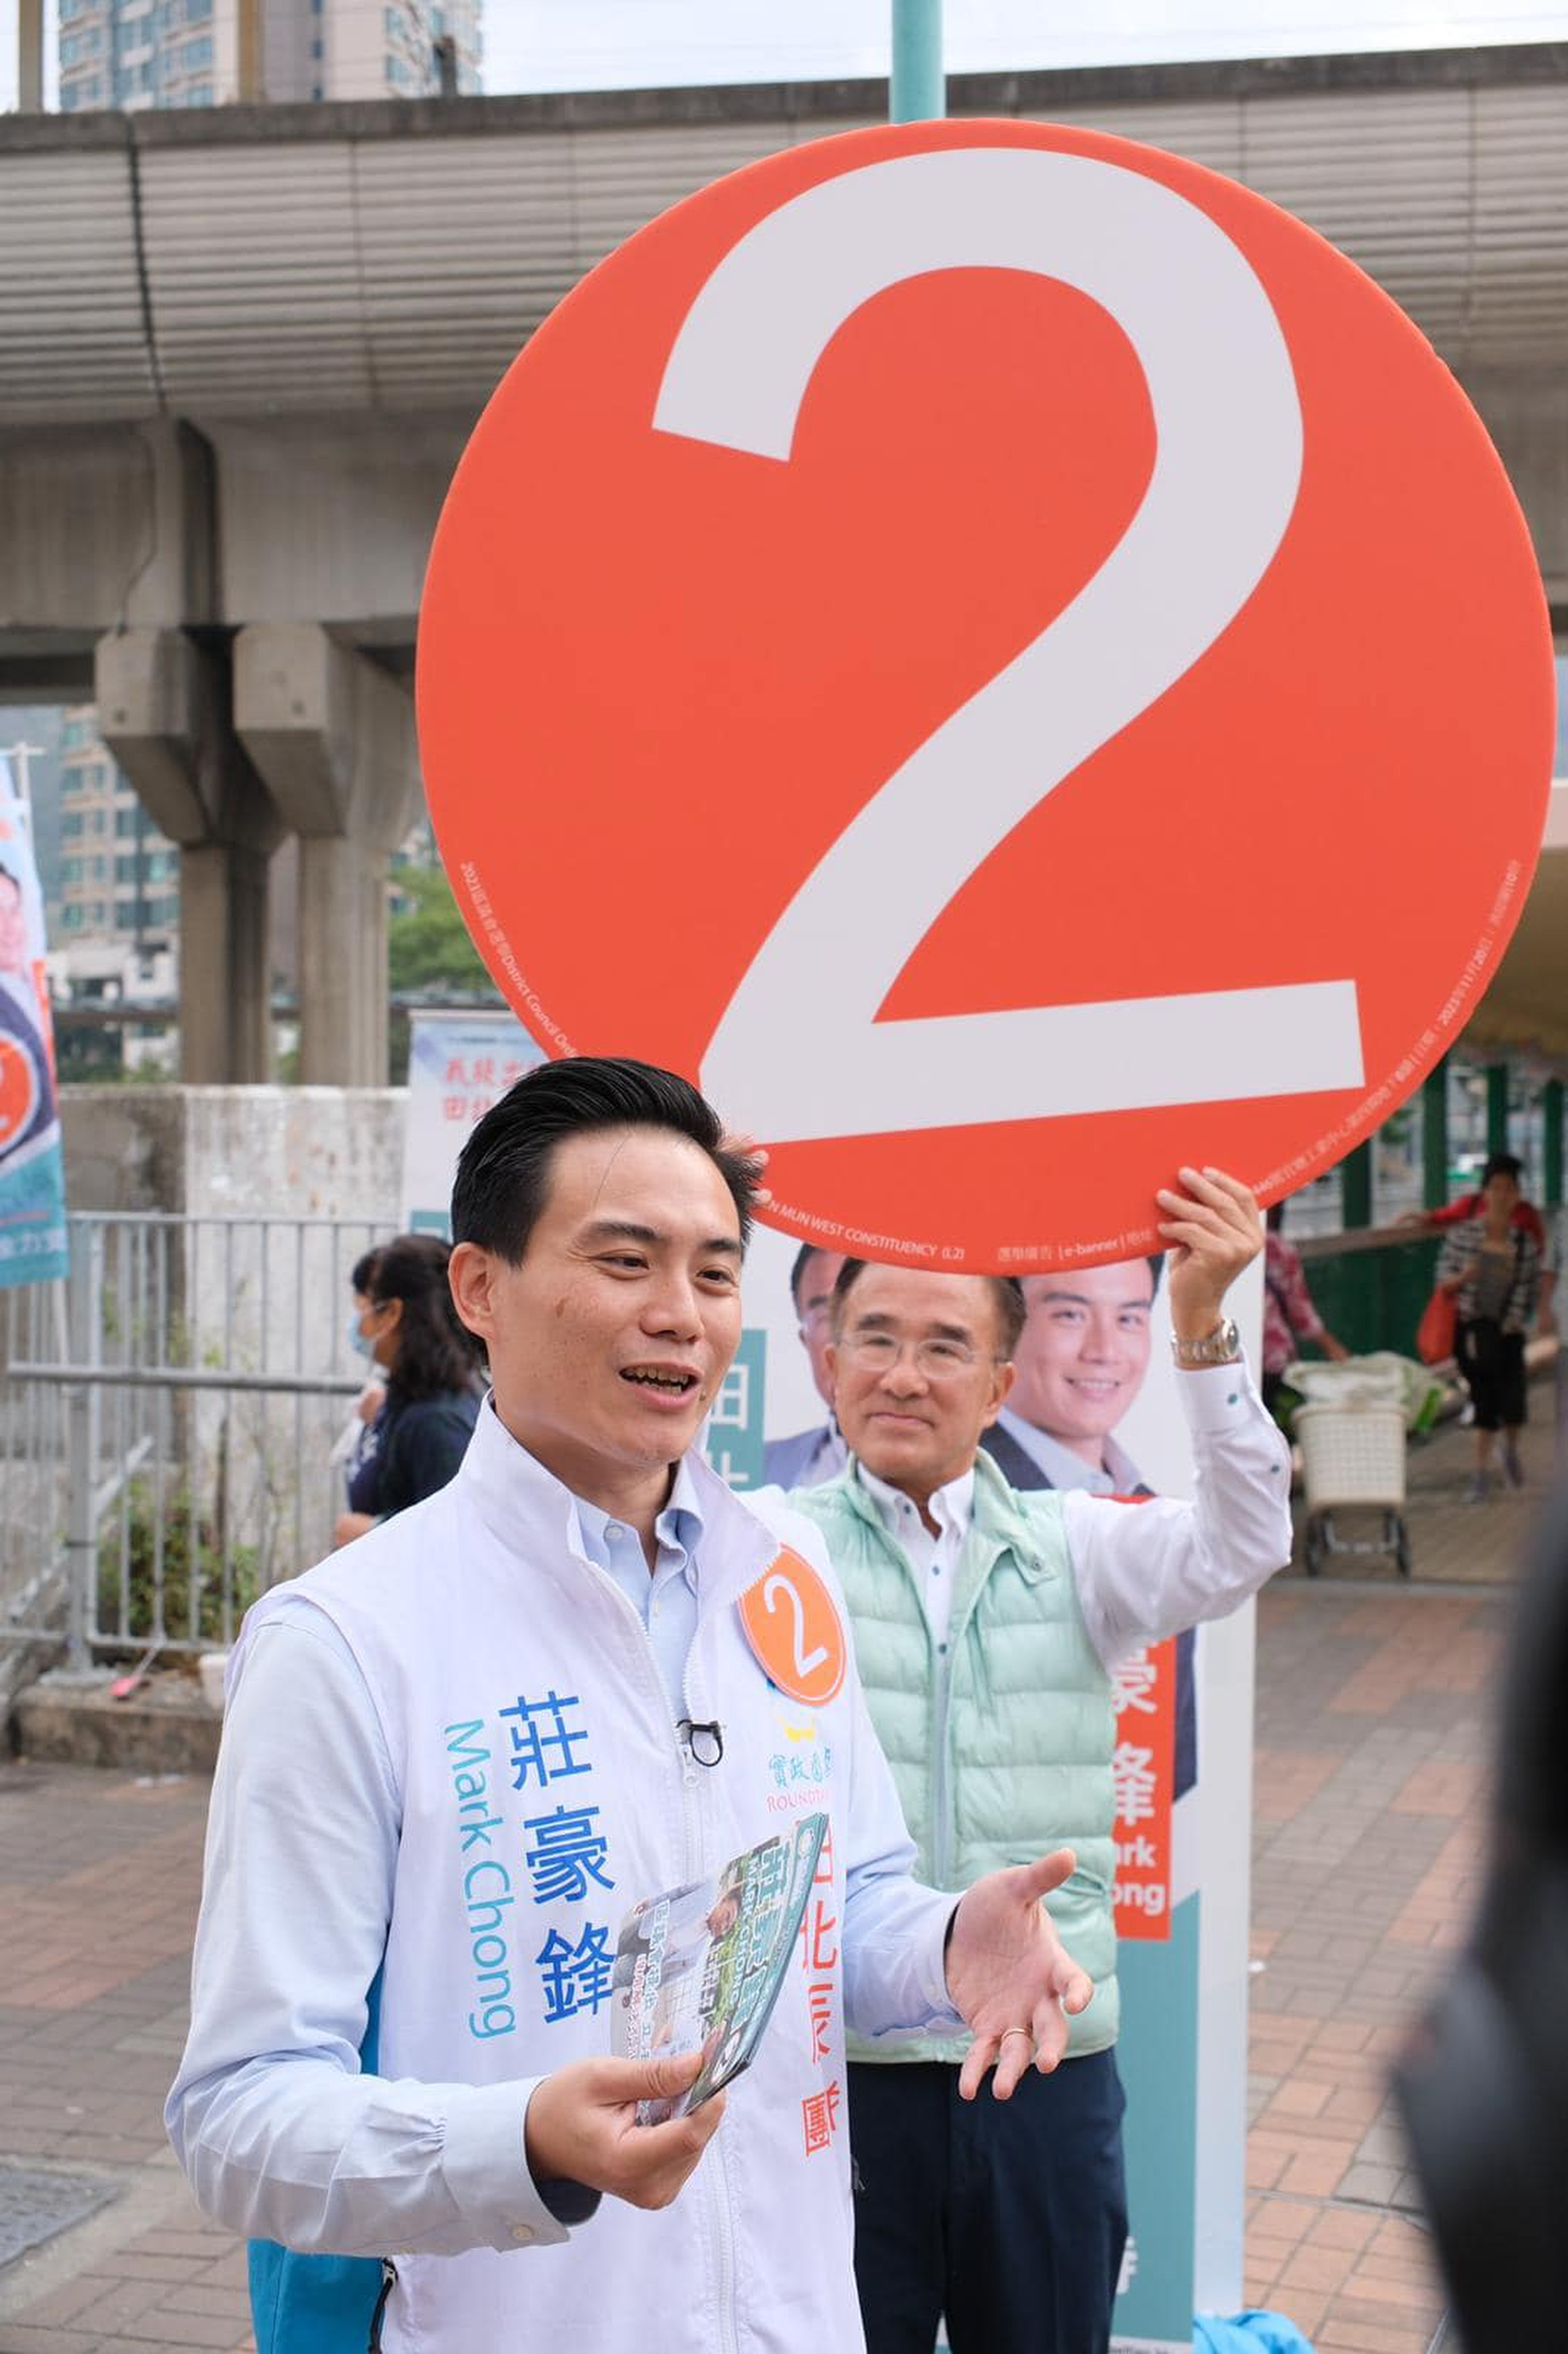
(1080, 1365)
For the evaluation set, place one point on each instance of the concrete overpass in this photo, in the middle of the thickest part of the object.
(244, 348)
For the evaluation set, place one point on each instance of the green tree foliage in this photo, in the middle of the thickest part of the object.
(429, 951)
(170, 1533)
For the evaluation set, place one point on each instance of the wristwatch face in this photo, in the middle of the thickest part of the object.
(1216, 1348)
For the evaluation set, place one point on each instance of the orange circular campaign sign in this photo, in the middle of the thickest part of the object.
(19, 1092)
(1010, 661)
(795, 1631)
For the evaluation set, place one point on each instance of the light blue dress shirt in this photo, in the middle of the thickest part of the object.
(666, 1599)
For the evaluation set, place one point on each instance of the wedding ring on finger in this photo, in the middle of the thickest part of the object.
(1006, 2031)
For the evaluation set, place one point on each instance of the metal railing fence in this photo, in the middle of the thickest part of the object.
(167, 1415)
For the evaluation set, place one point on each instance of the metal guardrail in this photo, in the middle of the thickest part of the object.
(166, 1418)
(1346, 1242)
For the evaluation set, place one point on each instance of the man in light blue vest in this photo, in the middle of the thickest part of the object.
(987, 1622)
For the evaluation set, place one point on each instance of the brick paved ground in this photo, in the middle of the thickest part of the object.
(1371, 1744)
(98, 1879)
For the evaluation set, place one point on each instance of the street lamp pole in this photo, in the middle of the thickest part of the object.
(30, 57)
(916, 90)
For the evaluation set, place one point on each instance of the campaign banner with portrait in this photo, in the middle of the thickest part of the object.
(33, 1244)
(1095, 1406)
(458, 1065)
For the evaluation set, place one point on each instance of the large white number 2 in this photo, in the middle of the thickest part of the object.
(799, 1052)
(805, 1662)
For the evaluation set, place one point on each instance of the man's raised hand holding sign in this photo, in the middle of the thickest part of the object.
(1214, 1231)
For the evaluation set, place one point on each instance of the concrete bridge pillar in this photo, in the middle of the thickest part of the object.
(165, 711)
(332, 734)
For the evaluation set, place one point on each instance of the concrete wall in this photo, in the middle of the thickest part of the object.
(285, 1152)
(315, 518)
(221, 1290)
(330, 519)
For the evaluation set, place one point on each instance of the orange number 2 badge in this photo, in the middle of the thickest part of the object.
(794, 1627)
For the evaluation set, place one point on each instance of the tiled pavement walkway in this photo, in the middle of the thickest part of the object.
(1372, 1745)
(1369, 1792)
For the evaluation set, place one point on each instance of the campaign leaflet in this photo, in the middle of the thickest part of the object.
(701, 1967)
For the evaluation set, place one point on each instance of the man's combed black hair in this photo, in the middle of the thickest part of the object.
(1007, 1297)
(503, 1176)
(1502, 1164)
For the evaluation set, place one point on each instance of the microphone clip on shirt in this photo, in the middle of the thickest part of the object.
(705, 1742)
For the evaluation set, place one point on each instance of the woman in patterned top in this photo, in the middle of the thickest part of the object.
(1492, 1265)
(1289, 1314)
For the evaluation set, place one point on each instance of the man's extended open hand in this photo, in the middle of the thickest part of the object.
(1007, 1969)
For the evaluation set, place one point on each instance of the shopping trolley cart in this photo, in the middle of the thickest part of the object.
(1352, 1457)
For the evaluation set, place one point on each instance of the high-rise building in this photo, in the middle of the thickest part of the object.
(138, 53)
(119, 877)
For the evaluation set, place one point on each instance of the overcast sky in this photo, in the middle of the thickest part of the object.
(626, 43)
(599, 44)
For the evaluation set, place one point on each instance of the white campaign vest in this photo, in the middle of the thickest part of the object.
(513, 1680)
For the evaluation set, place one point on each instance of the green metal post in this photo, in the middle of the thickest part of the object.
(1435, 1138)
(1496, 1107)
(1551, 1141)
(917, 90)
(1355, 1182)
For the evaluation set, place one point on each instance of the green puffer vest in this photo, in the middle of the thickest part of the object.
(1001, 1747)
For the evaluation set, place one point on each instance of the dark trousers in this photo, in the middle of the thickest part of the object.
(1492, 1363)
(1008, 2216)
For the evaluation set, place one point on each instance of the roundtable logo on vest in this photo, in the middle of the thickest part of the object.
(1007, 658)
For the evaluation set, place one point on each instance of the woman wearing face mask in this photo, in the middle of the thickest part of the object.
(356, 1443)
(404, 1323)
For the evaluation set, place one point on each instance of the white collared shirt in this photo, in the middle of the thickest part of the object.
(1118, 1474)
(1150, 1570)
(934, 1557)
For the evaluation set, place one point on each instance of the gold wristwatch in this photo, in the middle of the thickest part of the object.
(1220, 1347)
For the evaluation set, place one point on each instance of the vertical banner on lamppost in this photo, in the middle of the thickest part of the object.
(956, 844)
(33, 1235)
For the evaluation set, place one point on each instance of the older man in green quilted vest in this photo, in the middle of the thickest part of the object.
(987, 1623)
